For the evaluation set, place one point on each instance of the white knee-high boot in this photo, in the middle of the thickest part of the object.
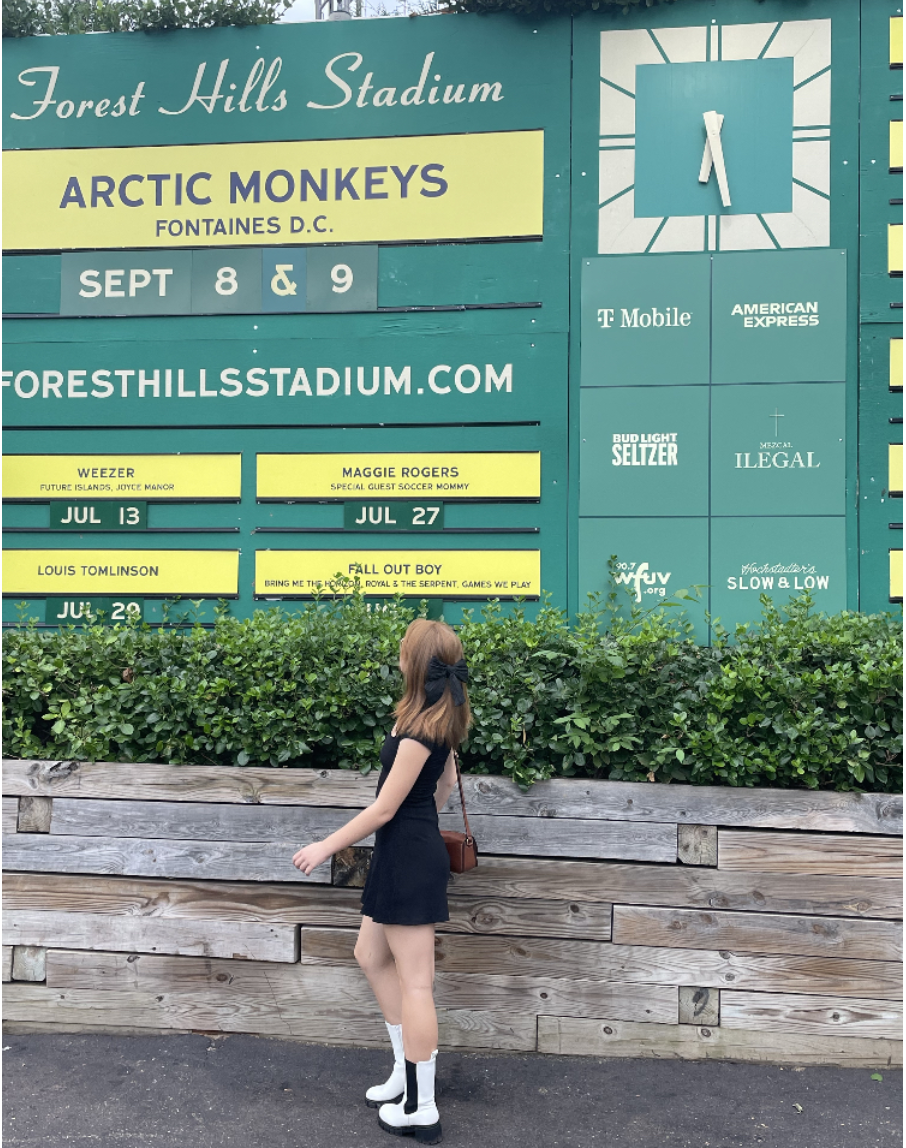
(394, 1088)
(416, 1115)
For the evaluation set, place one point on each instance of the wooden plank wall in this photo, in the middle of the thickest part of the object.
(605, 918)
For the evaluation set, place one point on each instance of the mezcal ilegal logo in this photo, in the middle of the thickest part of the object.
(777, 453)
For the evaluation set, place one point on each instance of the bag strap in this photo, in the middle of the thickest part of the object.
(462, 798)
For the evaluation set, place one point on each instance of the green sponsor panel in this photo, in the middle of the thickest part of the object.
(780, 557)
(342, 278)
(283, 275)
(778, 449)
(394, 517)
(755, 97)
(226, 281)
(641, 459)
(645, 322)
(780, 316)
(126, 283)
(656, 557)
(31, 284)
(81, 611)
(481, 366)
(65, 515)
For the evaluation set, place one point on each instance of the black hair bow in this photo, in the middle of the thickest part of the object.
(439, 674)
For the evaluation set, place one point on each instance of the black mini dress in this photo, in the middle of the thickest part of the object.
(410, 866)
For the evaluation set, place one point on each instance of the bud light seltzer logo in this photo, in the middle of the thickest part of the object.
(641, 579)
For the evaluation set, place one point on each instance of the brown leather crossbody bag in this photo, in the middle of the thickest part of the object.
(461, 846)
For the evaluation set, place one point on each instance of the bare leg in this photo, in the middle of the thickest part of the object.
(412, 947)
(377, 963)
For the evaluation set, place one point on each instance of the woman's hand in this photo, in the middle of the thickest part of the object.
(309, 857)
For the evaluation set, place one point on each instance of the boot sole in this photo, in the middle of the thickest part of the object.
(378, 1103)
(424, 1134)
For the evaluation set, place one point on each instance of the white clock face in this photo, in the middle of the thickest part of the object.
(749, 169)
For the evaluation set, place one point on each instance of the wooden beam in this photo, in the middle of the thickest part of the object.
(156, 781)
(132, 934)
(812, 1015)
(697, 845)
(696, 1006)
(200, 821)
(223, 903)
(828, 853)
(139, 857)
(35, 814)
(560, 797)
(10, 816)
(7, 963)
(320, 1023)
(572, 1036)
(29, 962)
(757, 933)
(680, 887)
(456, 991)
(634, 964)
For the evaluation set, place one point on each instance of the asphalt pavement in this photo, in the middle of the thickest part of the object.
(98, 1091)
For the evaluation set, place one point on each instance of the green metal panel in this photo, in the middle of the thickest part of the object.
(778, 449)
(622, 67)
(779, 317)
(881, 313)
(779, 557)
(640, 459)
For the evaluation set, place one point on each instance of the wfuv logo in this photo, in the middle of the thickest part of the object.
(776, 576)
(641, 579)
(776, 454)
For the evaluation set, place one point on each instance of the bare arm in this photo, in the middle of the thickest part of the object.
(447, 782)
(410, 757)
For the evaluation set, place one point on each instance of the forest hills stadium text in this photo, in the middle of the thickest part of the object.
(256, 382)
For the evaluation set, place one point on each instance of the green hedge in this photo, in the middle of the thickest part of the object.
(800, 700)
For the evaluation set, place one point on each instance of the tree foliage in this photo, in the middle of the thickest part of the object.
(68, 17)
(799, 700)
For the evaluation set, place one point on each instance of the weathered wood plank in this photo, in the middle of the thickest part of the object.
(560, 797)
(347, 985)
(139, 857)
(202, 822)
(308, 905)
(29, 963)
(562, 837)
(173, 821)
(576, 882)
(757, 932)
(321, 1023)
(813, 1015)
(35, 814)
(157, 781)
(123, 933)
(681, 887)
(10, 815)
(696, 1005)
(629, 964)
(828, 853)
(572, 1036)
(697, 844)
(7, 963)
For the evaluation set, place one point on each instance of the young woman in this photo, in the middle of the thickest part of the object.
(405, 893)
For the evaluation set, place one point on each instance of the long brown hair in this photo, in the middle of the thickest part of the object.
(444, 723)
